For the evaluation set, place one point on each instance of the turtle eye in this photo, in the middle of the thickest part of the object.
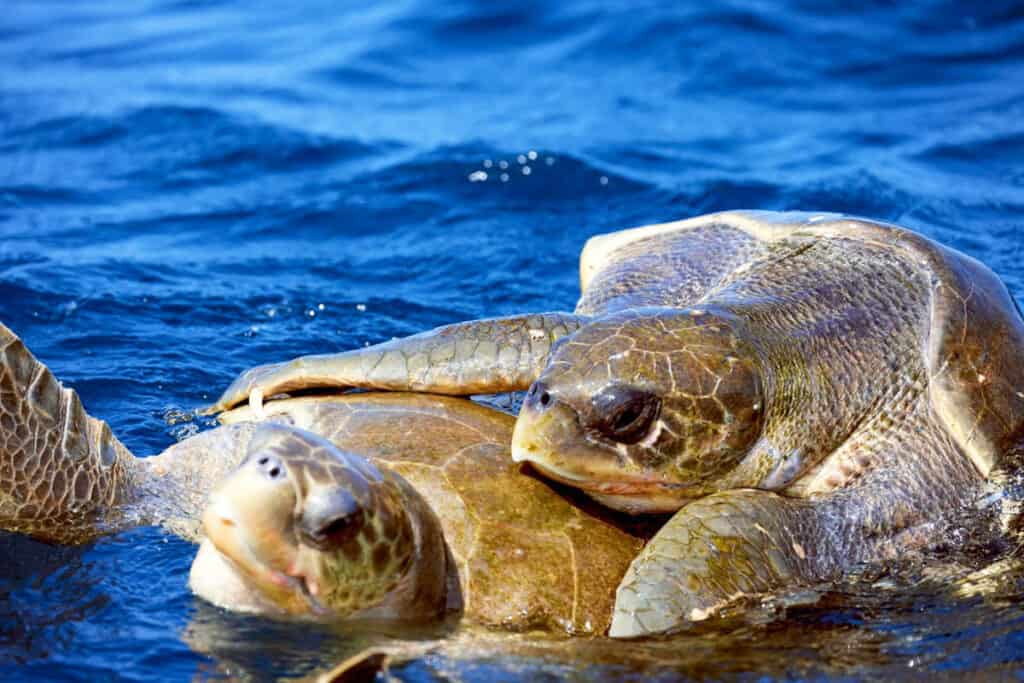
(625, 414)
(330, 519)
(338, 530)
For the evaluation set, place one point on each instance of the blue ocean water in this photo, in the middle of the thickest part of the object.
(191, 188)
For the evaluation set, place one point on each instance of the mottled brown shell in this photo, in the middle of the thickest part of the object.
(527, 557)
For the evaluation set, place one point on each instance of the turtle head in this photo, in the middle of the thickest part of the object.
(646, 408)
(310, 530)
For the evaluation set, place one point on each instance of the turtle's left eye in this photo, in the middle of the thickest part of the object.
(625, 414)
(330, 519)
(338, 530)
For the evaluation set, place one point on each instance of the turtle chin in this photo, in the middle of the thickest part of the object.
(551, 441)
(217, 579)
(277, 584)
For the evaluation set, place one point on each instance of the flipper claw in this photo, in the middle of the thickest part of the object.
(256, 403)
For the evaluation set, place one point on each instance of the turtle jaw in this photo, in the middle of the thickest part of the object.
(551, 441)
(635, 497)
(278, 583)
(218, 580)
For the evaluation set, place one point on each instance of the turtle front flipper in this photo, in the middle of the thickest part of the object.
(715, 551)
(476, 357)
(62, 472)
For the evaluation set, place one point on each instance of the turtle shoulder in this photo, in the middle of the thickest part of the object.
(675, 264)
(527, 557)
(973, 350)
(972, 345)
(974, 356)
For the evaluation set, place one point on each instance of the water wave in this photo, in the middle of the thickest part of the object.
(191, 188)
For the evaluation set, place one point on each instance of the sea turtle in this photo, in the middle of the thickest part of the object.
(811, 392)
(362, 506)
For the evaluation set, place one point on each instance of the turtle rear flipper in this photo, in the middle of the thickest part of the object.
(62, 472)
(476, 357)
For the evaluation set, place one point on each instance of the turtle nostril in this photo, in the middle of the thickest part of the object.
(545, 398)
(270, 466)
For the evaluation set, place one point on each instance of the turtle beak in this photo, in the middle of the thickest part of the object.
(544, 427)
(227, 530)
(548, 435)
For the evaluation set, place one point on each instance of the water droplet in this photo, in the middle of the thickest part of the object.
(504, 177)
(184, 431)
(502, 164)
(488, 163)
(604, 180)
(360, 307)
(527, 170)
(478, 176)
(550, 161)
(311, 313)
(521, 159)
(532, 155)
(320, 307)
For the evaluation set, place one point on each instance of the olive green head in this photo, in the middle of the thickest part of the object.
(312, 530)
(645, 409)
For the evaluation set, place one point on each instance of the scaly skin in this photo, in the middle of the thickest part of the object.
(725, 547)
(741, 543)
(488, 356)
(780, 367)
(61, 471)
(867, 375)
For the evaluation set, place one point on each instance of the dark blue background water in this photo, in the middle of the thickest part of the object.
(188, 189)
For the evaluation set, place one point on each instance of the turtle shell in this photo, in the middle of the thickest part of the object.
(528, 556)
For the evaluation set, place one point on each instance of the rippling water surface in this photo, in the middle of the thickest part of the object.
(188, 189)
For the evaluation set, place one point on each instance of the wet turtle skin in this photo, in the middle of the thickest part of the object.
(504, 549)
(811, 392)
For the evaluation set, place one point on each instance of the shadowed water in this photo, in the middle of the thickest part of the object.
(188, 189)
